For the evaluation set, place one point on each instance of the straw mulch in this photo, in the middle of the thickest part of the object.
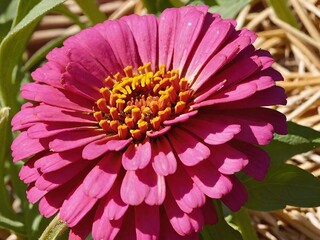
(297, 56)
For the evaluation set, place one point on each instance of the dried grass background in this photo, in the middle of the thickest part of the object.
(297, 56)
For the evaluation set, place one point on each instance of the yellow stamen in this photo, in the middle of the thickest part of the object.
(179, 107)
(123, 131)
(128, 71)
(98, 115)
(105, 125)
(102, 105)
(114, 113)
(140, 101)
(114, 124)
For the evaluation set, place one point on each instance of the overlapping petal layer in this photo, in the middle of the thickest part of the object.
(136, 124)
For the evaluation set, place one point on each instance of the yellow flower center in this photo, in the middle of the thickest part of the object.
(136, 103)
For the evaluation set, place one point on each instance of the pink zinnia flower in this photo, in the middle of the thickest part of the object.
(135, 125)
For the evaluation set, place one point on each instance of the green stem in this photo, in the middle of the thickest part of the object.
(55, 229)
(243, 222)
(91, 9)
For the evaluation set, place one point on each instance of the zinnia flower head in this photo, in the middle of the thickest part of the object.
(135, 125)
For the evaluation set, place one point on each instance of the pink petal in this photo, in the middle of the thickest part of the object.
(29, 173)
(183, 223)
(187, 31)
(76, 207)
(103, 228)
(164, 161)
(128, 228)
(97, 148)
(70, 140)
(143, 185)
(122, 43)
(133, 191)
(58, 56)
(147, 222)
(52, 96)
(215, 64)
(261, 98)
(184, 191)
(253, 129)
(24, 147)
(209, 180)
(52, 180)
(211, 130)
(49, 73)
(157, 133)
(238, 92)
(82, 229)
(72, 84)
(53, 200)
(231, 50)
(89, 39)
(167, 34)
(54, 161)
(137, 156)
(79, 51)
(209, 212)
(275, 118)
(233, 74)
(111, 206)
(24, 118)
(100, 179)
(84, 77)
(144, 30)
(265, 57)
(46, 209)
(167, 231)
(213, 38)
(56, 114)
(258, 160)
(109, 215)
(44, 130)
(237, 197)
(34, 194)
(181, 118)
(157, 188)
(227, 159)
(190, 154)
(264, 79)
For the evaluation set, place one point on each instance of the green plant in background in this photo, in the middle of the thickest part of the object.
(284, 185)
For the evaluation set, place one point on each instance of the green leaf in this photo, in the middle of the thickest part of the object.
(220, 231)
(203, 2)
(8, 218)
(284, 184)
(12, 47)
(91, 10)
(7, 13)
(229, 8)
(283, 11)
(23, 8)
(151, 6)
(299, 139)
(8, 10)
(177, 3)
